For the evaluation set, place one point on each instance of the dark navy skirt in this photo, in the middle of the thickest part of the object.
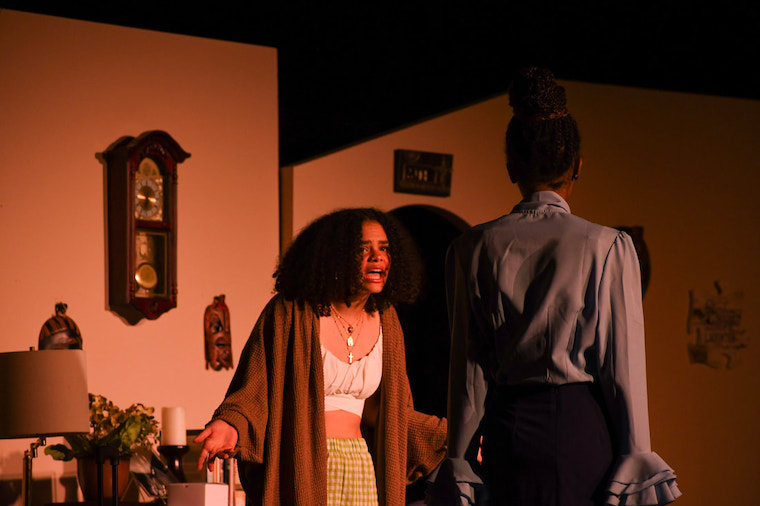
(545, 446)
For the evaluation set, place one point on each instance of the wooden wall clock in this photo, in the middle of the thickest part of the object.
(141, 206)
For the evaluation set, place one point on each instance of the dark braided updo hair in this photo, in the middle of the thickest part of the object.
(542, 139)
(322, 265)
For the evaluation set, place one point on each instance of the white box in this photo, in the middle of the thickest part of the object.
(197, 494)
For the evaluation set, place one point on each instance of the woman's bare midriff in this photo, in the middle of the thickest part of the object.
(342, 425)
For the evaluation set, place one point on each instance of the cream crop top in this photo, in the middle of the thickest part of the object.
(348, 385)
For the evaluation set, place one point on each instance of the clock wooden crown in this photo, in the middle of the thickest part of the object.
(141, 206)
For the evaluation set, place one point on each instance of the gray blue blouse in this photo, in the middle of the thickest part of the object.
(540, 296)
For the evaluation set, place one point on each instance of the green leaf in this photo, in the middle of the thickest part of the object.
(112, 439)
(130, 431)
(80, 445)
(59, 452)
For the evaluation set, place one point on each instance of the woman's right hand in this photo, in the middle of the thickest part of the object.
(219, 439)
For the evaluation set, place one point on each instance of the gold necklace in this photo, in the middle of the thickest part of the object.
(346, 330)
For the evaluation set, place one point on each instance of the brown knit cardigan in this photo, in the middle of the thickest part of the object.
(276, 403)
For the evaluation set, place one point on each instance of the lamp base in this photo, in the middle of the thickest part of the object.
(27, 476)
(173, 456)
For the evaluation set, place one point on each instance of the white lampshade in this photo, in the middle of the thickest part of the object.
(43, 393)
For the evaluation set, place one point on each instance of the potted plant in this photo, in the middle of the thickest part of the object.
(123, 431)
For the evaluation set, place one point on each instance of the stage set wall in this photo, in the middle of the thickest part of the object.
(68, 89)
(682, 166)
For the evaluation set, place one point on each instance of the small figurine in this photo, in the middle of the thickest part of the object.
(60, 332)
(216, 326)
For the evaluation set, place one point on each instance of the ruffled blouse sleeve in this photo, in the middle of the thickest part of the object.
(639, 476)
(642, 479)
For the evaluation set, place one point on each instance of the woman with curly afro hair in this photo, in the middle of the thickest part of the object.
(319, 411)
(547, 373)
(322, 266)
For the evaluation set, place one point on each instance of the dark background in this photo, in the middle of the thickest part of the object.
(349, 71)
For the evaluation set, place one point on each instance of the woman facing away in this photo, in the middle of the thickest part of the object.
(319, 410)
(547, 358)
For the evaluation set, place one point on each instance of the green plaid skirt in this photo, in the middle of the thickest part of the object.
(350, 473)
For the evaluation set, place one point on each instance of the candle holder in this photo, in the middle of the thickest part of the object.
(173, 454)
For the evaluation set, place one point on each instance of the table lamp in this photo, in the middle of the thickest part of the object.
(44, 393)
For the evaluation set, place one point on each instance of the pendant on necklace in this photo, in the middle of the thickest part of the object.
(350, 341)
(350, 358)
(350, 329)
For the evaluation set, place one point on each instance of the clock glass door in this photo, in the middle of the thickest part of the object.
(150, 263)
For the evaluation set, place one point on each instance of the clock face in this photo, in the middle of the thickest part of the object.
(149, 192)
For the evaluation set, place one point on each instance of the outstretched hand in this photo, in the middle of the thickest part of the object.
(219, 440)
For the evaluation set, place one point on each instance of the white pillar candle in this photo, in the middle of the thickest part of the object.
(173, 432)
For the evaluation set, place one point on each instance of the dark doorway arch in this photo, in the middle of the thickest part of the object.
(425, 323)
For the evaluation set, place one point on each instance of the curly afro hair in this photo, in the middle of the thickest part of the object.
(323, 262)
(542, 139)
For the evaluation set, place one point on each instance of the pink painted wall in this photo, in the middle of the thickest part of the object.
(68, 89)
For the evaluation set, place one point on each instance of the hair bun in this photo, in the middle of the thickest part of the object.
(534, 95)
